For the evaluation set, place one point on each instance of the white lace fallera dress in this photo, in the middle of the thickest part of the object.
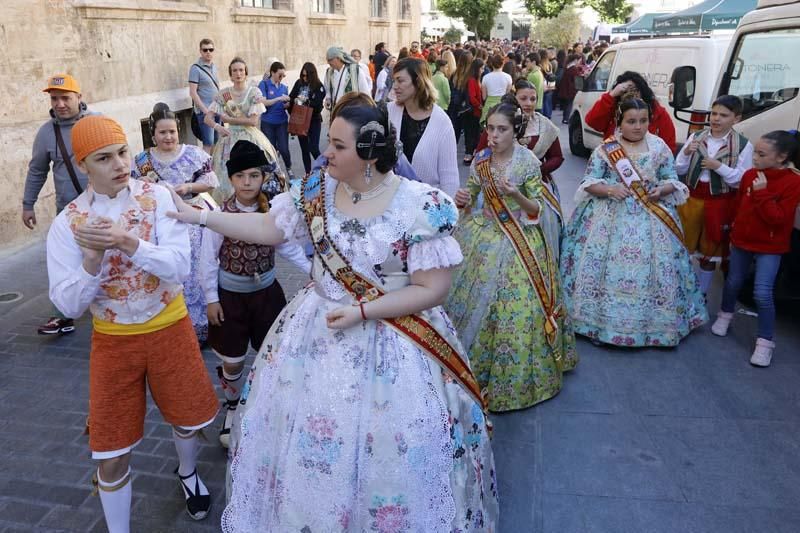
(358, 429)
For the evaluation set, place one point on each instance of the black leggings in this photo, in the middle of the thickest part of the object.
(472, 132)
(309, 145)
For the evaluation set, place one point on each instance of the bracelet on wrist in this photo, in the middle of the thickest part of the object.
(203, 218)
(363, 314)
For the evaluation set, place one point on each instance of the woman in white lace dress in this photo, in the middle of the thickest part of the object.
(346, 424)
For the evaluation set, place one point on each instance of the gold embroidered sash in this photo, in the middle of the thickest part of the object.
(551, 200)
(511, 228)
(630, 177)
(414, 327)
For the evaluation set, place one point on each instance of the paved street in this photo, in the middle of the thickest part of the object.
(682, 440)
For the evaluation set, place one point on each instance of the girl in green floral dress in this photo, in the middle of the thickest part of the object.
(505, 299)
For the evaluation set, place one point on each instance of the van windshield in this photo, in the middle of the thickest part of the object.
(765, 70)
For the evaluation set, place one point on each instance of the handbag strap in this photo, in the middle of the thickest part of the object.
(207, 73)
(67, 158)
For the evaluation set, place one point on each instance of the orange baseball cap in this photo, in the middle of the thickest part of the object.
(62, 82)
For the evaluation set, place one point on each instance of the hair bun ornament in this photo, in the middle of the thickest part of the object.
(372, 135)
(372, 126)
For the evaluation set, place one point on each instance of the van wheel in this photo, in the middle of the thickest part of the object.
(576, 137)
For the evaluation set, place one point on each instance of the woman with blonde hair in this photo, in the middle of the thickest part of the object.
(448, 56)
(549, 83)
(420, 122)
(239, 108)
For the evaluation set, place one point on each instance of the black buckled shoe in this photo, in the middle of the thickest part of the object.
(197, 505)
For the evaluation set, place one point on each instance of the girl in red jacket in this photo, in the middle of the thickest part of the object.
(768, 197)
(629, 84)
(472, 120)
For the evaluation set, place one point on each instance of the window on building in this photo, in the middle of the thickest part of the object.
(323, 6)
(404, 9)
(378, 8)
(258, 3)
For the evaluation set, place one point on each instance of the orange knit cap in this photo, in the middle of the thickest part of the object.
(93, 132)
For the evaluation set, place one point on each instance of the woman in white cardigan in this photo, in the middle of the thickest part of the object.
(424, 129)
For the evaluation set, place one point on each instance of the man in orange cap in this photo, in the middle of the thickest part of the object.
(114, 251)
(54, 146)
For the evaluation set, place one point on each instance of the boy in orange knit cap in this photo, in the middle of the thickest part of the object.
(114, 251)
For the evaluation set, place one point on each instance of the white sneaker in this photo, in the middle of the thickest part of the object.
(762, 355)
(721, 324)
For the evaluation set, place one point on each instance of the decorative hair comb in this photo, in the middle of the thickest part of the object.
(372, 126)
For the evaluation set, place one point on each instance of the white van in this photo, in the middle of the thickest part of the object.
(762, 67)
(654, 59)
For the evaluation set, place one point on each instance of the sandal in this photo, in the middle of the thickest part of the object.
(197, 505)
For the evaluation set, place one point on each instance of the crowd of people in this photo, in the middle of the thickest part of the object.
(430, 304)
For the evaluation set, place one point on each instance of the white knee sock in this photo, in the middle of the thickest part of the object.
(116, 502)
(705, 277)
(187, 455)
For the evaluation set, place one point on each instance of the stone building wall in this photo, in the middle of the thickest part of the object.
(129, 54)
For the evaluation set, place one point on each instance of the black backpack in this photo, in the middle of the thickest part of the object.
(459, 102)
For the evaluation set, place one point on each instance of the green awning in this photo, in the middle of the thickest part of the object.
(641, 26)
(705, 16)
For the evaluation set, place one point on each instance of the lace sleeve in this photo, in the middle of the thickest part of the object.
(597, 171)
(432, 245)
(288, 217)
(254, 107)
(441, 252)
(667, 174)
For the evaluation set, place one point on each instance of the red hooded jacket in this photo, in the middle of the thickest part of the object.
(764, 218)
(601, 118)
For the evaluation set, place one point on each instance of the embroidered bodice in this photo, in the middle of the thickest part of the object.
(244, 258)
(414, 233)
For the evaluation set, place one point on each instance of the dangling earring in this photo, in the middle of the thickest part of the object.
(368, 173)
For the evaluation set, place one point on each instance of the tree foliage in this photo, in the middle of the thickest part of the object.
(609, 10)
(478, 15)
(452, 35)
(559, 31)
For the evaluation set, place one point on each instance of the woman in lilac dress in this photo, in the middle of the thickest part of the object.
(187, 169)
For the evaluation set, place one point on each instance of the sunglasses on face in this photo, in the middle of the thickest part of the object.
(303, 75)
(204, 50)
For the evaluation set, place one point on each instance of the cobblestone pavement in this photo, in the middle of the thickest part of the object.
(639, 441)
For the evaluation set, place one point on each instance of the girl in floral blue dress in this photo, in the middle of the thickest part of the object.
(628, 279)
(187, 169)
